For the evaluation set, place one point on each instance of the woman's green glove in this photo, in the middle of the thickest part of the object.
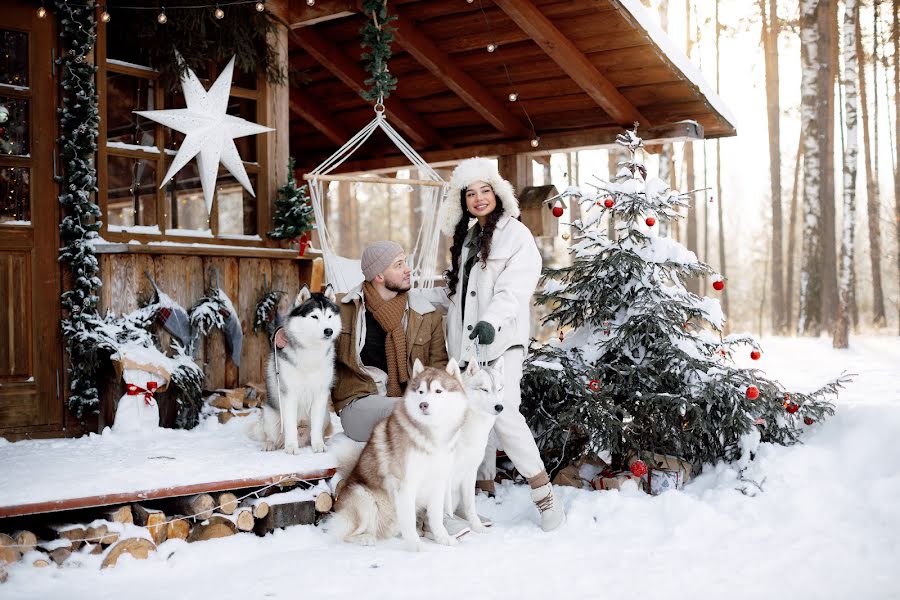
(484, 331)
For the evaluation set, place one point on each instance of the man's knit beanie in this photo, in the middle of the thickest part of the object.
(377, 257)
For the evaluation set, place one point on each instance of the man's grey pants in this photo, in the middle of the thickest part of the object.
(360, 416)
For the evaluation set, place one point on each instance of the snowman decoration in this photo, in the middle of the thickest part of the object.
(138, 409)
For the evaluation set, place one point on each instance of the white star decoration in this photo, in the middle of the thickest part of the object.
(209, 131)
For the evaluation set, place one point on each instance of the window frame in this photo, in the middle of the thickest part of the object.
(163, 159)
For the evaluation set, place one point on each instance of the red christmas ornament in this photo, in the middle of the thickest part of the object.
(557, 209)
(753, 392)
(754, 354)
(650, 221)
(792, 408)
(638, 468)
(808, 421)
(718, 285)
(594, 385)
(608, 203)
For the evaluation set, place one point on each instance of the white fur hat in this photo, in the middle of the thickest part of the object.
(466, 173)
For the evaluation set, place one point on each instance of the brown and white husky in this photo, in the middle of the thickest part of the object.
(406, 464)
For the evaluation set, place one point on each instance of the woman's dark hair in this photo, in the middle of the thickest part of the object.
(459, 236)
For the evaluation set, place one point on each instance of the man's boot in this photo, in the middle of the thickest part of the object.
(552, 515)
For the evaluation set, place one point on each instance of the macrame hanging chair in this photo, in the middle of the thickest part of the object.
(345, 273)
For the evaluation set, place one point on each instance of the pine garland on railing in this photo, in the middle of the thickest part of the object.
(377, 35)
(78, 129)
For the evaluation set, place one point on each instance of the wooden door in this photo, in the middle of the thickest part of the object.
(30, 344)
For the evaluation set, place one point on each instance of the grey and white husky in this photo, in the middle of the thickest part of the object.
(300, 375)
(484, 389)
(405, 466)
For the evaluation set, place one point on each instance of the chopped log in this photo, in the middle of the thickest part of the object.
(26, 540)
(121, 514)
(178, 530)
(110, 538)
(254, 402)
(243, 413)
(227, 503)
(154, 520)
(137, 547)
(224, 417)
(3, 574)
(41, 561)
(8, 551)
(219, 401)
(94, 548)
(217, 526)
(259, 507)
(234, 396)
(60, 555)
(302, 512)
(324, 502)
(198, 506)
(244, 520)
(74, 534)
(95, 534)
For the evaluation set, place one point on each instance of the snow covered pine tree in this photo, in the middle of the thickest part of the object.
(642, 364)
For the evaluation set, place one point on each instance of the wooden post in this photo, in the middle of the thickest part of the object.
(516, 168)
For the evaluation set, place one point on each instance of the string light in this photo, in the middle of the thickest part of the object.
(161, 18)
(491, 47)
(260, 6)
(535, 142)
(104, 16)
(219, 13)
(41, 12)
(310, 2)
(513, 97)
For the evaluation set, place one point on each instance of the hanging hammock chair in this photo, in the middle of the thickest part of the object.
(345, 273)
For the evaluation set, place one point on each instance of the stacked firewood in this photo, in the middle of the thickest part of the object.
(138, 528)
(236, 402)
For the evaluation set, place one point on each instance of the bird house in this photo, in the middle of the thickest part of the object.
(536, 210)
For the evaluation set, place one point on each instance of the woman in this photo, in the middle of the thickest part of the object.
(494, 270)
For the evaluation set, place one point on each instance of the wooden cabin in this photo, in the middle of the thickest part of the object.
(582, 69)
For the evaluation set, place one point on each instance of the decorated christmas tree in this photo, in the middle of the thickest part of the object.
(641, 363)
(293, 211)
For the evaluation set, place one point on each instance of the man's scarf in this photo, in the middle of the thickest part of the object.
(389, 314)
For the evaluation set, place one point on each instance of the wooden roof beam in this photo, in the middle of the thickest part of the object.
(301, 14)
(576, 65)
(420, 47)
(345, 69)
(313, 113)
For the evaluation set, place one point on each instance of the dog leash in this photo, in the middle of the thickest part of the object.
(277, 371)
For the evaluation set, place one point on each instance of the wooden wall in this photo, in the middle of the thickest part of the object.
(185, 278)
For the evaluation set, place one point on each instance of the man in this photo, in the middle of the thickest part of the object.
(385, 328)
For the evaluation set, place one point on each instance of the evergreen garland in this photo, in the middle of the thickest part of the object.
(645, 367)
(294, 213)
(199, 37)
(377, 35)
(78, 127)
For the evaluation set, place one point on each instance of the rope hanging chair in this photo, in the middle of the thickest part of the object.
(345, 273)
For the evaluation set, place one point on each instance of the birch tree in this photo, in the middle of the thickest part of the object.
(840, 338)
(809, 318)
(872, 200)
(770, 29)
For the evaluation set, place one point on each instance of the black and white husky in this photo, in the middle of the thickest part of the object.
(300, 375)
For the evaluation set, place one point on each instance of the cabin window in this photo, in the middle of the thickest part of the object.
(136, 153)
(15, 119)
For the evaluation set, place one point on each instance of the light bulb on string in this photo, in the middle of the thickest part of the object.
(535, 142)
(513, 96)
(161, 17)
(310, 2)
(260, 6)
(104, 16)
(41, 12)
(219, 13)
(491, 47)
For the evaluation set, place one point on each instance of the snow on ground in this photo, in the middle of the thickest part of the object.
(825, 526)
